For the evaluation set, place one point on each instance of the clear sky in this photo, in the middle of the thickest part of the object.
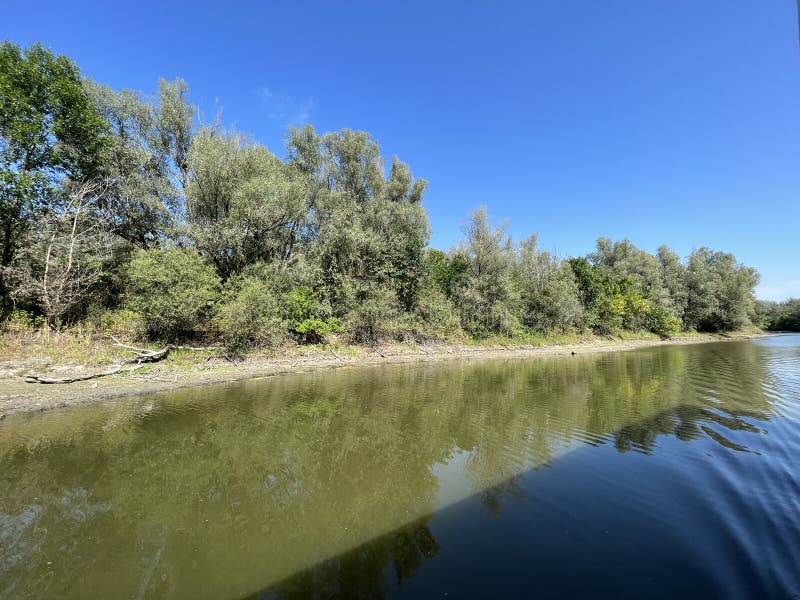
(664, 121)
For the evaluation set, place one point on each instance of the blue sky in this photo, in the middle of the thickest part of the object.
(664, 121)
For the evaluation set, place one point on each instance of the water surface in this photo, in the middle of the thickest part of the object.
(662, 472)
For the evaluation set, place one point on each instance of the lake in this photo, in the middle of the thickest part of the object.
(665, 472)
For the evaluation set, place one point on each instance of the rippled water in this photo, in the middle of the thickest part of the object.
(664, 472)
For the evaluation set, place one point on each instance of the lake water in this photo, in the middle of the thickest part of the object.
(664, 472)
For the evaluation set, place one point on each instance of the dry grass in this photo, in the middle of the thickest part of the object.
(77, 345)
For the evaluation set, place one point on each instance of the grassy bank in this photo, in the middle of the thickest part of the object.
(80, 351)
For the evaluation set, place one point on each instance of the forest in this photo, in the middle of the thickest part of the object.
(120, 211)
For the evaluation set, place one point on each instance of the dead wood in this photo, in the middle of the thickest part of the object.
(141, 357)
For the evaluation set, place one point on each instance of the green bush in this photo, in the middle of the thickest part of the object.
(300, 304)
(22, 320)
(250, 317)
(662, 322)
(174, 291)
(375, 319)
(315, 330)
(308, 318)
(435, 317)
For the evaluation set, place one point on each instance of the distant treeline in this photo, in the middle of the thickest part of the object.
(118, 210)
(778, 316)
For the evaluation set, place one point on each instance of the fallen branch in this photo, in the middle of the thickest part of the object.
(142, 356)
(73, 379)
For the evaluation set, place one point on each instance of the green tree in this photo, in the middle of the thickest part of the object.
(625, 261)
(673, 277)
(550, 293)
(244, 204)
(49, 129)
(250, 316)
(780, 316)
(137, 165)
(489, 296)
(720, 291)
(364, 230)
(174, 291)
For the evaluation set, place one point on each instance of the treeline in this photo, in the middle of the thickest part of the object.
(778, 316)
(118, 209)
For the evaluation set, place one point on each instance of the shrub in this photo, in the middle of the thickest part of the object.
(315, 330)
(174, 291)
(662, 322)
(300, 304)
(250, 317)
(308, 318)
(435, 317)
(375, 319)
(20, 321)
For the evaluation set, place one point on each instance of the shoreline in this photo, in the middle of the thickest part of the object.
(18, 397)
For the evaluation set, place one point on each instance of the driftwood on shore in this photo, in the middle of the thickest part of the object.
(142, 356)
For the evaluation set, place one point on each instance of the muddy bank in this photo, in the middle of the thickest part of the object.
(17, 396)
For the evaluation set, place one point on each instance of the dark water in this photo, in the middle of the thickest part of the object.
(666, 472)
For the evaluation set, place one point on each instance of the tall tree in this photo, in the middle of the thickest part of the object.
(720, 291)
(673, 277)
(626, 261)
(49, 129)
(137, 165)
(245, 205)
(549, 290)
(365, 230)
(489, 297)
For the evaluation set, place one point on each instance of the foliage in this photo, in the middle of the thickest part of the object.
(314, 329)
(191, 231)
(435, 318)
(120, 323)
(249, 317)
(720, 291)
(138, 161)
(244, 205)
(780, 316)
(49, 130)
(68, 254)
(308, 318)
(174, 291)
(488, 296)
(375, 319)
(550, 292)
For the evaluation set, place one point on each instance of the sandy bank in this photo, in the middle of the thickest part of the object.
(16, 396)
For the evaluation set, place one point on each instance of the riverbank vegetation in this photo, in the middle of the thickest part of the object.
(120, 214)
(779, 316)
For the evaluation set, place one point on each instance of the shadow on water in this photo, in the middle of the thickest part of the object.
(384, 567)
(217, 492)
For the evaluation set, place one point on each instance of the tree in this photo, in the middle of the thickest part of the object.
(49, 130)
(720, 291)
(625, 261)
(68, 255)
(363, 230)
(489, 298)
(549, 290)
(245, 205)
(249, 316)
(673, 277)
(137, 165)
(780, 316)
(174, 121)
